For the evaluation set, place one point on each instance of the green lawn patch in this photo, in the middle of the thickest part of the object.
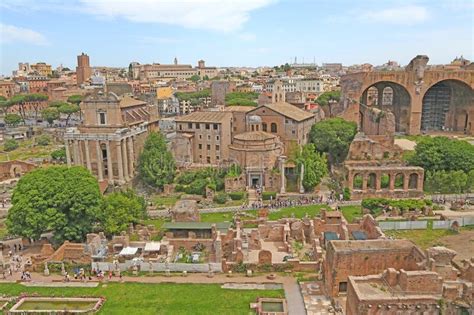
(156, 222)
(423, 238)
(163, 298)
(165, 200)
(27, 150)
(351, 213)
(298, 211)
(222, 216)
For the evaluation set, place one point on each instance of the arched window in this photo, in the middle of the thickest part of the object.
(357, 181)
(385, 181)
(264, 126)
(399, 179)
(273, 128)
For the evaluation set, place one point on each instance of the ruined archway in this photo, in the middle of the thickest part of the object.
(399, 180)
(446, 107)
(372, 181)
(357, 182)
(413, 181)
(390, 96)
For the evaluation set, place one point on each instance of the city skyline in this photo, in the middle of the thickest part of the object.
(250, 33)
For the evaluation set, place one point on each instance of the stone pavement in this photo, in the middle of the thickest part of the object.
(315, 302)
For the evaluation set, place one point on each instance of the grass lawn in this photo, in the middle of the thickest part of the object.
(423, 238)
(156, 222)
(299, 211)
(163, 298)
(27, 150)
(351, 212)
(165, 200)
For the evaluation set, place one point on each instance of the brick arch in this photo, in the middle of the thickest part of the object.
(413, 179)
(447, 104)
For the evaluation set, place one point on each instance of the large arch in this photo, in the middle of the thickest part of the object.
(447, 106)
(390, 96)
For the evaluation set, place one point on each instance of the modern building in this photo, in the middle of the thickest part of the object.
(42, 68)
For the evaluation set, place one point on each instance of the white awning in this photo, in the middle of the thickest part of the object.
(128, 251)
(152, 247)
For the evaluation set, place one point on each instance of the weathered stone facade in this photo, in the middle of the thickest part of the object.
(411, 95)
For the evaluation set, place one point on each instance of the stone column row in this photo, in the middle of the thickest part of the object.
(125, 155)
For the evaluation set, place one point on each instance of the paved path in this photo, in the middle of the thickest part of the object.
(294, 298)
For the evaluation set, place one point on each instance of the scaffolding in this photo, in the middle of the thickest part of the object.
(436, 104)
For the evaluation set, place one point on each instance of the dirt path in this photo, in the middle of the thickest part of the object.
(462, 243)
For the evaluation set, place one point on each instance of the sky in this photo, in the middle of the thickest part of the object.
(233, 32)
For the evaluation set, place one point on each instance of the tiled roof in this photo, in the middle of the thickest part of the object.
(254, 136)
(238, 108)
(210, 117)
(129, 101)
(289, 111)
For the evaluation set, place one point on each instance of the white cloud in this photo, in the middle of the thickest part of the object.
(218, 15)
(247, 36)
(404, 15)
(11, 33)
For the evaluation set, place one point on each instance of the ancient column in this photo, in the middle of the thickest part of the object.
(364, 182)
(406, 181)
(81, 153)
(391, 186)
(380, 96)
(378, 181)
(110, 170)
(131, 156)
(282, 174)
(68, 153)
(100, 173)
(76, 152)
(88, 157)
(125, 159)
(119, 161)
(301, 179)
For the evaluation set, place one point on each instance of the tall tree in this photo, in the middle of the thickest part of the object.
(69, 109)
(443, 154)
(156, 165)
(315, 166)
(119, 210)
(13, 119)
(58, 199)
(50, 114)
(333, 136)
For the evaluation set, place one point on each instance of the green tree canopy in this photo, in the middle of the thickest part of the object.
(10, 145)
(156, 165)
(50, 114)
(333, 136)
(324, 98)
(68, 109)
(195, 78)
(58, 199)
(13, 119)
(59, 155)
(443, 154)
(119, 209)
(315, 166)
(75, 99)
(449, 182)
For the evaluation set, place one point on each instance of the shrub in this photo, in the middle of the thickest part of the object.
(220, 198)
(10, 145)
(43, 140)
(267, 195)
(346, 194)
(237, 195)
(377, 205)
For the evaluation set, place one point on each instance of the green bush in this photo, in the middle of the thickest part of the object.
(377, 205)
(346, 194)
(267, 194)
(220, 198)
(237, 195)
(10, 145)
(43, 140)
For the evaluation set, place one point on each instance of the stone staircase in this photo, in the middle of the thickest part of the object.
(252, 195)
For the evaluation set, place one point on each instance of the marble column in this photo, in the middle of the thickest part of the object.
(76, 152)
(119, 161)
(392, 182)
(406, 181)
(110, 170)
(301, 179)
(100, 172)
(125, 159)
(68, 153)
(81, 155)
(88, 157)
(282, 174)
(131, 156)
